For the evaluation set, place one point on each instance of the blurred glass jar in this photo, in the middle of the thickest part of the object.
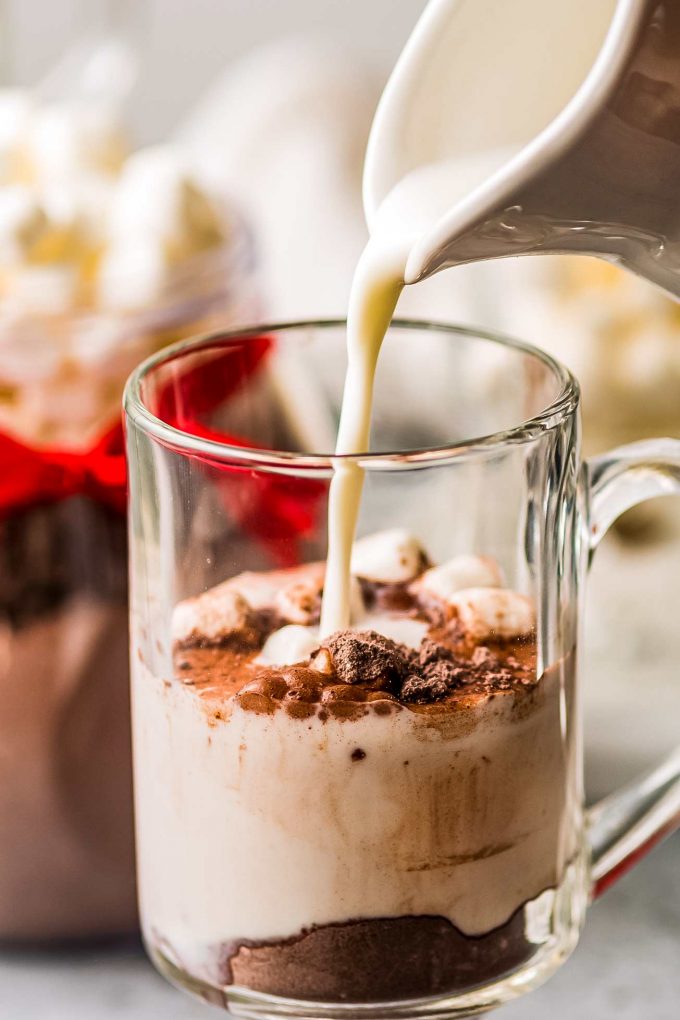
(620, 336)
(66, 838)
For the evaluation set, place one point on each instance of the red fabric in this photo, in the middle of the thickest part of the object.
(274, 509)
(29, 476)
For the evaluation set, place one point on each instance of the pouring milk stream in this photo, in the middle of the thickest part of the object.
(487, 143)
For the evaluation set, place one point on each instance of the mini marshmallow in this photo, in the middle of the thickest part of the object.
(68, 139)
(133, 275)
(298, 602)
(387, 557)
(215, 616)
(80, 205)
(261, 589)
(459, 573)
(44, 289)
(16, 108)
(494, 613)
(156, 197)
(289, 645)
(22, 222)
(402, 629)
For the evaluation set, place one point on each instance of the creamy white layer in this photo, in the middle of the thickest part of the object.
(255, 826)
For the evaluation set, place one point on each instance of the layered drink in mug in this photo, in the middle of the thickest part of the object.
(384, 816)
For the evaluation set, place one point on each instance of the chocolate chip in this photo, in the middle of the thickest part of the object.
(303, 689)
(273, 686)
(343, 692)
(358, 754)
(346, 709)
(368, 658)
(385, 706)
(253, 701)
(378, 696)
(300, 709)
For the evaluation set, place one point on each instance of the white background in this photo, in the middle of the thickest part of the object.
(187, 42)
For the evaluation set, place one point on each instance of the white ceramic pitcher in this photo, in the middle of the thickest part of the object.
(581, 97)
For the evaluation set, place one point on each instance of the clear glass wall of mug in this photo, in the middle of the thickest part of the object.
(387, 828)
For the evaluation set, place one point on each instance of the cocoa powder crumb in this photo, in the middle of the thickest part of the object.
(369, 659)
(421, 690)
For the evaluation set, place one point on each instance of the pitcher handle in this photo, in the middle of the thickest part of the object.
(625, 826)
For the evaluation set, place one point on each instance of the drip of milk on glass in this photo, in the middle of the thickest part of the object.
(411, 207)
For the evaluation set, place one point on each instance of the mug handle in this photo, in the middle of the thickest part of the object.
(626, 825)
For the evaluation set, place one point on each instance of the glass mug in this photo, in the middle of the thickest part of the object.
(389, 859)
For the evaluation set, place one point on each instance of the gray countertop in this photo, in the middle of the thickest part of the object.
(626, 967)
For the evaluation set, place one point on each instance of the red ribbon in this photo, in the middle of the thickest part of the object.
(29, 476)
(274, 509)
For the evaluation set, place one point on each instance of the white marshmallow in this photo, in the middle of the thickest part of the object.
(292, 643)
(81, 205)
(67, 140)
(387, 557)
(218, 614)
(22, 222)
(16, 108)
(291, 591)
(133, 275)
(44, 289)
(155, 197)
(95, 342)
(494, 613)
(458, 573)
(261, 589)
(397, 627)
(297, 602)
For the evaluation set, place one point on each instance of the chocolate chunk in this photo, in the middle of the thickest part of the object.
(421, 690)
(358, 754)
(430, 652)
(369, 659)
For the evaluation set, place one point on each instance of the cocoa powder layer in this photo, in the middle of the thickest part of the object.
(354, 672)
(376, 960)
(357, 672)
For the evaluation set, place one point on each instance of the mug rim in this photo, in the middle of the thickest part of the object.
(548, 419)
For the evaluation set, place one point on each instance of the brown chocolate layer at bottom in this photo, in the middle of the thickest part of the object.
(377, 960)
